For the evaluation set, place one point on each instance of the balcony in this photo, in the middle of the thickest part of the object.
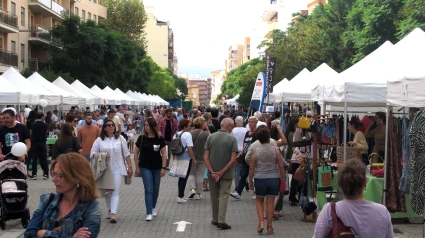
(271, 27)
(48, 8)
(36, 66)
(8, 22)
(8, 58)
(271, 11)
(41, 36)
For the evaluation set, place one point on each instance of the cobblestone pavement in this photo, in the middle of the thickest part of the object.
(241, 215)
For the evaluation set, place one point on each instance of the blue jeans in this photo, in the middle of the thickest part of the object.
(151, 180)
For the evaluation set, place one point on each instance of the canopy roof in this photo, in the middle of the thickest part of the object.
(129, 99)
(24, 85)
(136, 97)
(111, 99)
(79, 86)
(297, 90)
(146, 98)
(322, 75)
(83, 98)
(11, 94)
(233, 100)
(406, 83)
(66, 97)
(114, 94)
(363, 84)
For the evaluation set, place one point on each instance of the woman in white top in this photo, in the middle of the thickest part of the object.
(116, 146)
(239, 132)
(369, 219)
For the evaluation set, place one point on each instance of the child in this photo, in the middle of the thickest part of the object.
(130, 134)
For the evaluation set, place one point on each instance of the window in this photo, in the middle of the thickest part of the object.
(76, 11)
(83, 15)
(22, 52)
(88, 16)
(1, 43)
(13, 46)
(22, 16)
(94, 18)
(248, 47)
(248, 57)
(13, 7)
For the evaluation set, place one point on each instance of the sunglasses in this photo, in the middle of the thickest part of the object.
(109, 125)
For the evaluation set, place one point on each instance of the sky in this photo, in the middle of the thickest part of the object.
(205, 29)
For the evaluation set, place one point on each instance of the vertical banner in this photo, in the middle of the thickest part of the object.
(270, 68)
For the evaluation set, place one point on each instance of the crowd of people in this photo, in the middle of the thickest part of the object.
(219, 147)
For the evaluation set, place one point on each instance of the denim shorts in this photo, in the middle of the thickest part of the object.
(267, 187)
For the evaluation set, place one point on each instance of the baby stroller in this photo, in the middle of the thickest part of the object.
(14, 196)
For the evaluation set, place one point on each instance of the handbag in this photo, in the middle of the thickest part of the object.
(127, 179)
(338, 227)
(304, 123)
(376, 169)
(324, 177)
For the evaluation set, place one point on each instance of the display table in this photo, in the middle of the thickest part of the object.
(373, 192)
(51, 141)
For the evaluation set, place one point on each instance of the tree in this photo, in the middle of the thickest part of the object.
(127, 17)
(98, 56)
(412, 16)
(162, 82)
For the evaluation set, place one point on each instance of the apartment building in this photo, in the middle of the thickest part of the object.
(175, 64)
(234, 57)
(160, 40)
(246, 50)
(204, 87)
(24, 28)
(193, 91)
(217, 79)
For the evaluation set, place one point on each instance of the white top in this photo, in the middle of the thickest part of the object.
(113, 147)
(99, 122)
(369, 219)
(259, 123)
(54, 118)
(239, 134)
(121, 117)
(186, 141)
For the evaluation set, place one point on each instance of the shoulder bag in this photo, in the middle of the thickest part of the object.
(282, 186)
(127, 179)
(338, 228)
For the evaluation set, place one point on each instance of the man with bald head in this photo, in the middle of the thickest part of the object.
(219, 156)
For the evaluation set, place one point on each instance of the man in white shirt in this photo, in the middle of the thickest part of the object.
(55, 117)
(120, 115)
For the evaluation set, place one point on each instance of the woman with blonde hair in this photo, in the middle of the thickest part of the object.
(208, 120)
(73, 210)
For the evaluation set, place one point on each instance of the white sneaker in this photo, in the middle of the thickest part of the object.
(255, 197)
(181, 200)
(149, 217)
(198, 197)
(192, 193)
(235, 195)
(154, 212)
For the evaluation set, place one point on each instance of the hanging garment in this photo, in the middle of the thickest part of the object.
(407, 166)
(395, 198)
(417, 146)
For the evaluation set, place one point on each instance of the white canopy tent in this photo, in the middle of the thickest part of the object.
(153, 100)
(110, 97)
(276, 97)
(297, 90)
(146, 98)
(232, 101)
(83, 98)
(97, 99)
(322, 75)
(128, 98)
(406, 85)
(66, 96)
(363, 84)
(11, 94)
(114, 94)
(136, 97)
(27, 87)
(160, 100)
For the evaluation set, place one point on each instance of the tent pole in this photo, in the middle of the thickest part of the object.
(384, 197)
(345, 130)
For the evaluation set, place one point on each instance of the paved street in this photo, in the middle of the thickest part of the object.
(241, 215)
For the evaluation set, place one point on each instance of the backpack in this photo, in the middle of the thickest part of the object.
(176, 145)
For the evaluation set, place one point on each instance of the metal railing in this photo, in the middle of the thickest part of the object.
(36, 65)
(8, 58)
(8, 18)
(56, 7)
(43, 33)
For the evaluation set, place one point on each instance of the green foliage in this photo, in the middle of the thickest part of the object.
(96, 55)
(127, 17)
(162, 82)
(413, 16)
(242, 80)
